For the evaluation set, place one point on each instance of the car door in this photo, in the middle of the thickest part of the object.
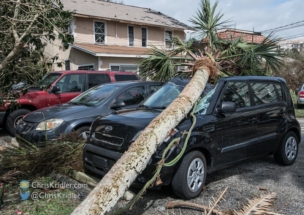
(270, 107)
(131, 96)
(70, 86)
(236, 133)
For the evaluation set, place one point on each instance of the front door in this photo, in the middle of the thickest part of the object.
(70, 86)
(236, 133)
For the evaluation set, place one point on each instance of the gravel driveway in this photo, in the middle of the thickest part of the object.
(244, 181)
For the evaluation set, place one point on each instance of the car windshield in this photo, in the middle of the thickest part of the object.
(204, 102)
(164, 96)
(49, 79)
(95, 95)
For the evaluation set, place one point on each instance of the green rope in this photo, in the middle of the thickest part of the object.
(162, 163)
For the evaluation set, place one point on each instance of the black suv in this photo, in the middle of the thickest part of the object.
(240, 118)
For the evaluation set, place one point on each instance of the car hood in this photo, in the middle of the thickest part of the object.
(123, 126)
(59, 111)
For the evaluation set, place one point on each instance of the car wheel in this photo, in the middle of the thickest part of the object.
(288, 150)
(84, 132)
(190, 177)
(13, 119)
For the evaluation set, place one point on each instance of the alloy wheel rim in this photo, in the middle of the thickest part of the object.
(291, 148)
(16, 121)
(195, 175)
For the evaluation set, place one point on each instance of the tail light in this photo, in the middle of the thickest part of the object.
(302, 94)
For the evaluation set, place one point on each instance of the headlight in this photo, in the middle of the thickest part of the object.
(49, 124)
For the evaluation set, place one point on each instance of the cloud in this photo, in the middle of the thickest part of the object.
(250, 15)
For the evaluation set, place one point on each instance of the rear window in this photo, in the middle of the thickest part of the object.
(96, 79)
(125, 77)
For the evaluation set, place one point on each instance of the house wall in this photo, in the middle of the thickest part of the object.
(117, 33)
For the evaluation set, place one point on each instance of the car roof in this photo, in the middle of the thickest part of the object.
(130, 83)
(95, 71)
(253, 78)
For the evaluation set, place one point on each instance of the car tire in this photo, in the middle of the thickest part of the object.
(288, 150)
(13, 119)
(84, 132)
(190, 176)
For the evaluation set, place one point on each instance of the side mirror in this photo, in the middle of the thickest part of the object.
(55, 89)
(118, 104)
(227, 107)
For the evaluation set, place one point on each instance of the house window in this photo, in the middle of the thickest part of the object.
(144, 37)
(131, 35)
(67, 65)
(99, 28)
(86, 67)
(124, 68)
(168, 39)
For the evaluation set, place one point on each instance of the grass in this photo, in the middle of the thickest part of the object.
(299, 113)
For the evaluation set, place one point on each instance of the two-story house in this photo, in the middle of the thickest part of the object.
(112, 36)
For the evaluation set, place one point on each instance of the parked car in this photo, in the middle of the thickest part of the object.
(300, 100)
(239, 119)
(56, 88)
(80, 112)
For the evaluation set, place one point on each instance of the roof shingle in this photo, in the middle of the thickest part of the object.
(121, 12)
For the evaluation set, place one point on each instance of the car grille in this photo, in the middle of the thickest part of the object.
(105, 138)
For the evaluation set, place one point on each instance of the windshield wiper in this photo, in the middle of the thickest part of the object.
(151, 107)
(160, 107)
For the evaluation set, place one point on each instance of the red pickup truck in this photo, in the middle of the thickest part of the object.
(62, 86)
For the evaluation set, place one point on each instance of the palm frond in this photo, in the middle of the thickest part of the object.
(258, 206)
(207, 21)
(159, 66)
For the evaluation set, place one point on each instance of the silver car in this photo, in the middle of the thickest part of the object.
(300, 101)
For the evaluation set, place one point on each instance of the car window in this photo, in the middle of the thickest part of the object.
(48, 79)
(264, 93)
(71, 83)
(154, 88)
(132, 96)
(96, 95)
(125, 77)
(279, 90)
(96, 79)
(237, 92)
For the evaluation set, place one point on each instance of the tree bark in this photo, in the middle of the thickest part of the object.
(117, 181)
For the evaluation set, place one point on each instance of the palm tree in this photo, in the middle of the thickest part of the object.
(117, 181)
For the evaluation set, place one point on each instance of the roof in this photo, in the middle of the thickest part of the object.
(247, 36)
(132, 82)
(115, 51)
(253, 78)
(122, 13)
(111, 51)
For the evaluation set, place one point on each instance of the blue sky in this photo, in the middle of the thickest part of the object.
(245, 14)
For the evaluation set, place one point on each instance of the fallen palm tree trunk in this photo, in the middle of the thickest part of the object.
(117, 181)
